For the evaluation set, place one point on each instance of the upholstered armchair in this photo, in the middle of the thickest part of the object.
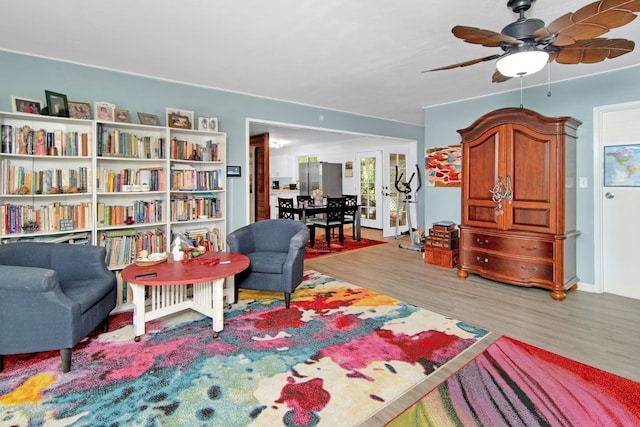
(52, 295)
(275, 248)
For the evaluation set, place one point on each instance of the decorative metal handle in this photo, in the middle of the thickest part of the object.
(609, 195)
(535, 248)
(481, 242)
(482, 261)
(532, 269)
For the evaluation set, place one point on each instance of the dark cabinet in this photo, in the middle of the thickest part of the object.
(518, 199)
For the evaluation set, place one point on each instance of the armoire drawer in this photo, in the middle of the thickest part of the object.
(508, 244)
(517, 269)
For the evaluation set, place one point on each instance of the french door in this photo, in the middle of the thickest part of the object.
(369, 170)
(396, 220)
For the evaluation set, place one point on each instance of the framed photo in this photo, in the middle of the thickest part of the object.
(121, 116)
(209, 124)
(57, 104)
(181, 119)
(24, 105)
(79, 110)
(621, 163)
(149, 119)
(104, 111)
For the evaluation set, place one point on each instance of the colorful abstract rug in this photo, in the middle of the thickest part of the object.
(320, 247)
(516, 384)
(337, 356)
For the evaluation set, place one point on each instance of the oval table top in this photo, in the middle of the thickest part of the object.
(200, 269)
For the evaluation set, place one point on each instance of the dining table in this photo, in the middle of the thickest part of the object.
(311, 210)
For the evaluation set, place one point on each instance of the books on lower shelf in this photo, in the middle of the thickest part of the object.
(123, 245)
(15, 218)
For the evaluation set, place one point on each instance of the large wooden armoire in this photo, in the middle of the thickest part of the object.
(519, 200)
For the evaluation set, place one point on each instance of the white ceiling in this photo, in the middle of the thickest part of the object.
(361, 56)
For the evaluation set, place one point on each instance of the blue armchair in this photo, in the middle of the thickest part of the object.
(275, 248)
(52, 295)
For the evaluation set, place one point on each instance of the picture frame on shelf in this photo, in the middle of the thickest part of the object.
(104, 111)
(149, 119)
(121, 115)
(79, 110)
(57, 104)
(26, 105)
(209, 124)
(181, 119)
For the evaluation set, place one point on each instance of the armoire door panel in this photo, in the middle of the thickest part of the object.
(482, 170)
(531, 219)
(532, 159)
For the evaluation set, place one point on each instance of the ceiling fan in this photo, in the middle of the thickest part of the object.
(571, 39)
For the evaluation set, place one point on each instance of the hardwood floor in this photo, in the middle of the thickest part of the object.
(601, 330)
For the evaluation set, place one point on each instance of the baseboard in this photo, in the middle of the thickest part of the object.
(588, 287)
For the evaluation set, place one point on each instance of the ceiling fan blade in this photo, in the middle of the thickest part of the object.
(485, 38)
(466, 63)
(590, 21)
(594, 50)
(498, 77)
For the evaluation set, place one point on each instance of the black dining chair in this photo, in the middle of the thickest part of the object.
(285, 208)
(332, 219)
(350, 212)
(300, 199)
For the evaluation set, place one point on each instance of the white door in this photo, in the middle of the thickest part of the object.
(369, 169)
(396, 221)
(617, 129)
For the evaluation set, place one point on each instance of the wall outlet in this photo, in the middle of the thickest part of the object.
(584, 182)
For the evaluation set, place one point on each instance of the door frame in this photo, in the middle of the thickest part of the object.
(598, 192)
(387, 141)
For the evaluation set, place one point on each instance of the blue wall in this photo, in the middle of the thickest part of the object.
(29, 77)
(576, 98)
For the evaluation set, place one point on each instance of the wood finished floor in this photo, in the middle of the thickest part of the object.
(601, 330)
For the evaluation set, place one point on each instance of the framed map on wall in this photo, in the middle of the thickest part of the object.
(621, 166)
(444, 166)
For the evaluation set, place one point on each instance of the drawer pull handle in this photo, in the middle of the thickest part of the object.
(532, 269)
(535, 248)
(482, 261)
(481, 242)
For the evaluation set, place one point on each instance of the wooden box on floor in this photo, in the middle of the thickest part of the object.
(442, 257)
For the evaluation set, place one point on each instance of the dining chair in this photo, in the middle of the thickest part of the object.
(350, 212)
(300, 199)
(332, 219)
(285, 207)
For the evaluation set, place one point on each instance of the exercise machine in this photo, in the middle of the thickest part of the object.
(404, 189)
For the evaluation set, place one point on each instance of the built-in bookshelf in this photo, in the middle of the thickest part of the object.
(124, 186)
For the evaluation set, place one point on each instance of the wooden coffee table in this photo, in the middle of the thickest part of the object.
(196, 284)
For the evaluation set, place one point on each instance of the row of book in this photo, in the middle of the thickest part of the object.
(188, 208)
(184, 150)
(122, 246)
(26, 140)
(186, 178)
(137, 212)
(50, 217)
(21, 180)
(117, 143)
(76, 238)
(109, 181)
(210, 239)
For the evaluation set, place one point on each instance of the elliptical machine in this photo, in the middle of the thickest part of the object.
(404, 187)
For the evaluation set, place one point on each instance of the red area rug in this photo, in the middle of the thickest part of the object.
(516, 384)
(320, 247)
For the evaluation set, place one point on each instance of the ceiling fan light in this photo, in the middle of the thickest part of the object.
(522, 63)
